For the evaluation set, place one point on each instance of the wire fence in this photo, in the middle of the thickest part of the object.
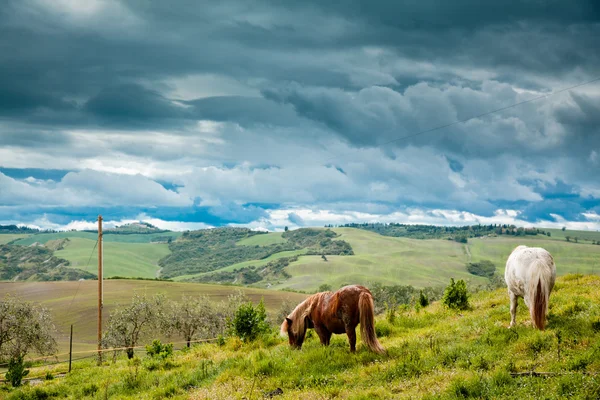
(52, 360)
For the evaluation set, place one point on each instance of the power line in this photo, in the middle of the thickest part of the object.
(460, 121)
(87, 265)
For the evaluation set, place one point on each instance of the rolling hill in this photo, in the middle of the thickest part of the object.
(226, 254)
(131, 260)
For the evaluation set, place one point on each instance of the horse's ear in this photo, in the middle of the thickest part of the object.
(289, 321)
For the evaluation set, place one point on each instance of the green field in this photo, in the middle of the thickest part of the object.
(264, 239)
(431, 353)
(568, 257)
(9, 237)
(256, 263)
(107, 237)
(583, 236)
(76, 302)
(421, 263)
(383, 259)
(120, 259)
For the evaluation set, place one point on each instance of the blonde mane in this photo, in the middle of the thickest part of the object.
(300, 313)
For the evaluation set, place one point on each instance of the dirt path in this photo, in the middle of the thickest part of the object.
(468, 252)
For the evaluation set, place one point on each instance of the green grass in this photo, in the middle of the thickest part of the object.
(568, 257)
(9, 237)
(120, 259)
(110, 238)
(256, 263)
(383, 259)
(432, 353)
(263, 239)
(583, 236)
(75, 302)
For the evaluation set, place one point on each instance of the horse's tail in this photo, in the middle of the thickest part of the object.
(540, 285)
(367, 322)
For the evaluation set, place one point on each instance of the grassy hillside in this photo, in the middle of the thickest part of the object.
(108, 237)
(36, 263)
(209, 250)
(384, 259)
(262, 240)
(404, 261)
(432, 353)
(583, 236)
(75, 302)
(569, 257)
(9, 237)
(245, 264)
(120, 259)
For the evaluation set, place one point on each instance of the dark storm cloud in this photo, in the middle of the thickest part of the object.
(243, 110)
(115, 79)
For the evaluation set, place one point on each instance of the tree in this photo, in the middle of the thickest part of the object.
(128, 324)
(285, 229)
(194, 318)
(323, 257)
(568, 238)
(24, 327)
(564, 228)
(324, 288)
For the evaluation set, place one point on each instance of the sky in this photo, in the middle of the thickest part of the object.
(191, 114)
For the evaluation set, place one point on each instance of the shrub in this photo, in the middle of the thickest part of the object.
(249, 321)
(456, 295)
(159, 350)
(324, 288)
(89, 389)
(16, 371)
(484, 268)
(390, 314)
(383, 328)
(423, 300)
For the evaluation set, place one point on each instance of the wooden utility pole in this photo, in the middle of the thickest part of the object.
(70, 347)
(100, 295)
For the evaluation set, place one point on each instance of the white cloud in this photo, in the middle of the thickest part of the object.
(89, 188)
(278, 219)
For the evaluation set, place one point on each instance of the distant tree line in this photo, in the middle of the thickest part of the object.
(457, 233)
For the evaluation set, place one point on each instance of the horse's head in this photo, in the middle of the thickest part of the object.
(296, 338)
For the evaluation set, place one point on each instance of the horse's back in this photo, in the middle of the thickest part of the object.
(525, 262)
(341, 308)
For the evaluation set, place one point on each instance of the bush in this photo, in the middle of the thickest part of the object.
(249, 321)
(423, 300)
(456, 295)
(159, 350)
(16, 371)
(484, 268)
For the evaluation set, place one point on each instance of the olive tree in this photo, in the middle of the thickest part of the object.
(195, 318)
(131, 323)
(24, 327)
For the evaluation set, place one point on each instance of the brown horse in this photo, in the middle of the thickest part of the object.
(338, 313)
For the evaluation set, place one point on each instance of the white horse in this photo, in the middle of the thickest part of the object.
(530, 273)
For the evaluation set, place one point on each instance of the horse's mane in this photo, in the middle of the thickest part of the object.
(299, 314)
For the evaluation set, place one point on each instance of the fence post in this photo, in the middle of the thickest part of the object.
(70, 347)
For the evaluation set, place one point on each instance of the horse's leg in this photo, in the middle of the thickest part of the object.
(513, 308)
(324, 334)
(351, 332)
